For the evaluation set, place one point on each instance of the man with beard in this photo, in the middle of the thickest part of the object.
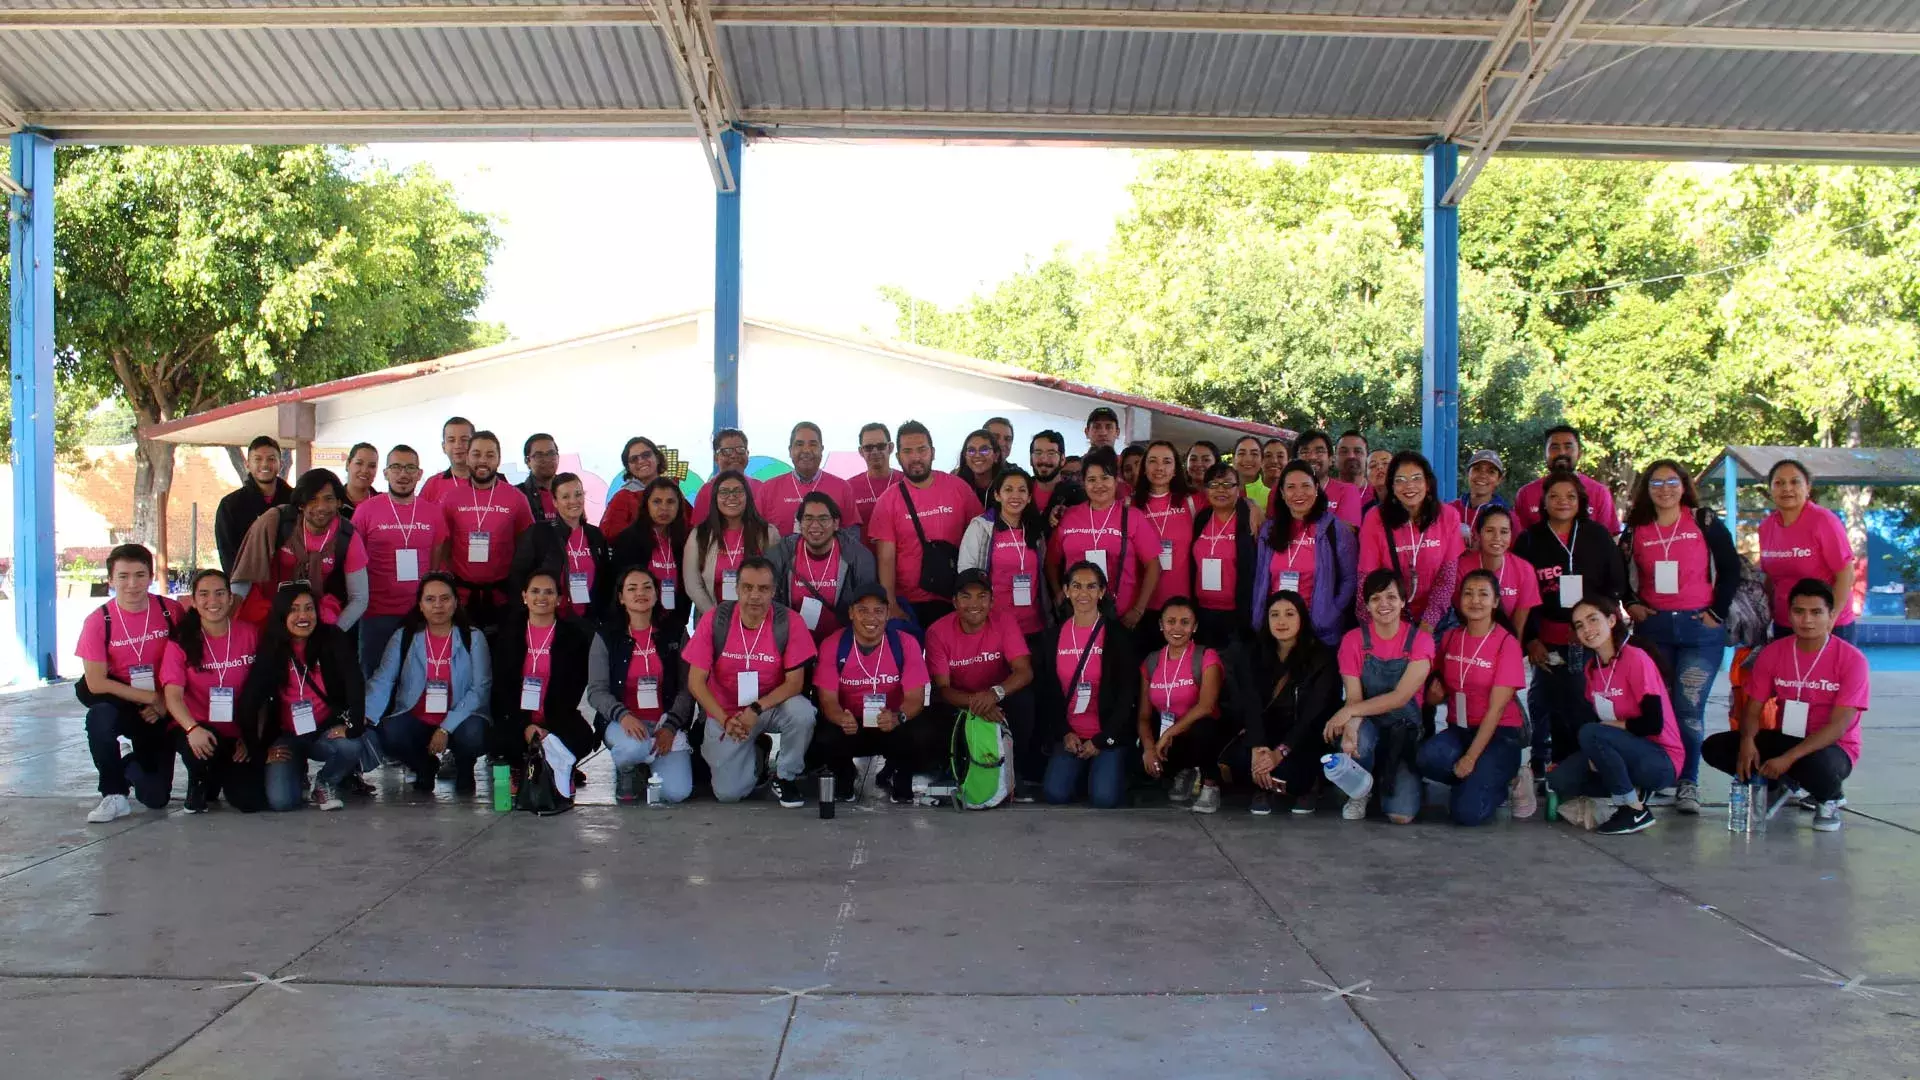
(363, 461)
(406, 539)
(1045, 453)
(243, 506)
(455, 436)
(542, 457)
(1001, 429)
(484, 518)
(1350, 455)
(779, 499)
(310, 540)
(917, 526)
(1343, 499)
(1563, 452)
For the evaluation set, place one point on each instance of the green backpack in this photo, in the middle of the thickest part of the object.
(982, 762)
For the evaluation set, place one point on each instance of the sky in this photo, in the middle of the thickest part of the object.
(602, 233)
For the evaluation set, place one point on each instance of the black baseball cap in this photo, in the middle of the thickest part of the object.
(1102, 413)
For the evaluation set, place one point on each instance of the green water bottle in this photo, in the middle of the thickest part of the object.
(502, 789)
(1553, 804)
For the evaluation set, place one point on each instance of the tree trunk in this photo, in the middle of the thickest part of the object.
(152, 480)
(238, 458)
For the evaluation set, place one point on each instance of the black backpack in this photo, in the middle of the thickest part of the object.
(538, 793)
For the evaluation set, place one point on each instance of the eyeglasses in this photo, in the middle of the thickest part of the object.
(1223, 485)
(981, 451)
(1669, 482)
(644, 455)
(875, 448)
(730, 493)
(816, 519)
(544, 455)
(403, 469)
(1408, 481)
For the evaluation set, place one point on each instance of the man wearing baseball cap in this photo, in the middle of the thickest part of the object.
(1485, 471)
(1103, 429)
(871, 681)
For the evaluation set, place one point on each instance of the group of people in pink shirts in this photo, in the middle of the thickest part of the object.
(1290, 620)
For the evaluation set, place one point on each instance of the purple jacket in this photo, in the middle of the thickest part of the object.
(1336, 554)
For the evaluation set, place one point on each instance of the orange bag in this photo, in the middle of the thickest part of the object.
(1769, 713)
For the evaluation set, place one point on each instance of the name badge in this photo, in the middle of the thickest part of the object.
(1459, 716)
(669, 594)
(926, 696)
(303, 723)
(729, 584)
(1666, 576)
(871, 706)
(140, 677)
(578, 591)
(219, 704)
(746, 688)
(646, 694)
(1210, 575)
(1603, 707)
(406, 564)
(439, 696)
(1166, 554)
(1570, 590)
(810, 608)
(1793, 718)
(1167, 720)
(1082, 697)
(530, 691)
(1290, 581)
(478, 545)
(1098, 557)
(1023, 590)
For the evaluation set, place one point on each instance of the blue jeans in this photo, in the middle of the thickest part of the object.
(1621, 763)
(287, 779)
(1557, 705)
(404, 738)
(375, 632)
(1692, 651)
(1407, 795)
(1471, 801)
(674, 768)
(1105, 773)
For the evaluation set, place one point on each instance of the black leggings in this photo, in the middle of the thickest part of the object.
(1820, 772)
(1299, 773)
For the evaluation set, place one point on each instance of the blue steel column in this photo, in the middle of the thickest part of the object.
(30, 236)
(726, 293)
(1440, 372)
(1730, 471)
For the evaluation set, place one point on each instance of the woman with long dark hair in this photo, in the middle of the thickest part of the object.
(304, 700)
(640, 462)
(1107, 533)
(979, 463)
(1478, 675)
(1222, 555)
(1416, 536)
(1179, 719)
(1087, 692)
(1009, 544)
(733, 533)
(1286, 688)
(1166, 498)
(658, 541)
(636, 685)
(433, 687)
(1306, 549)
(205, 664)
(540, 675)
(1633, 747)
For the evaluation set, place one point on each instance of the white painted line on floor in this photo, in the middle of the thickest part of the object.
(262, 980)
(1343, 992)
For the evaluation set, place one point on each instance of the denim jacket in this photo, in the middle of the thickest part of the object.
(472, 680)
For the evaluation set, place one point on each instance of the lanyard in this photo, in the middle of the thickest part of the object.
(446, 661)
(146, 624)
(534, 654)
(872, 674)
(644, 655)
(1161, 518)
(326, 541)
(1801, 677)
(1294, 545)
(1101, 530)
(299, 678)
(873, 494)
(1214, 539)
(412, 523)
(752, 646)
(803, 492)
(1019, 545)
(1572, 541)
(220, 672)
(575, 553)
(1666, 545)
(810, 574)
(1414, 548)
(1467, 663)
(662, 552)
(1172, 669)
(735, 551)
(1606, 688)
(483, 509)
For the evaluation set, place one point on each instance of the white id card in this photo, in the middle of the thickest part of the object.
(1082, 697)
(577, 590)
(1603, 708)
(1167, 720)
(219, 704)
(478, 545)
(1098, 557)
(1570, 590)
(439, 697)
(871, 706)
(530, 688)
(303, 718)
(668, 595)
(746, 688)
(140, 677)
(646, 693)
(1793, 718)
(1166, 554)
(810, 609)
(1459, 717)
(1023, 590)
(729, 585)
(1290, 581)
(1666, 576)
(406, 564)
(1210, 575)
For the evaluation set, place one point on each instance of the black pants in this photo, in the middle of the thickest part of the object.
(216, 772)
(1029, 758)
(148, 771)
(1821, 772)
(918, 745)
(1299, 772)
(1219, 629)
(1196, 748)
(485, 604)
(926, 613)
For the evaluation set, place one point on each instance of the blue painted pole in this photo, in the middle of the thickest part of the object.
(726, 293)
(1730, 471)
(1440, 369)
(30, 235)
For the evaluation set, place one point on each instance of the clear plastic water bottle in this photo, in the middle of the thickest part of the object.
(1757, 805)
(655, 799)
(1739, 814)
(1347, 775)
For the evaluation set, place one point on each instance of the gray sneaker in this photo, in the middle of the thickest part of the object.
(1208, 802)
(1688, 800)
(627, 784)
(1826, 817)
(1184, 782)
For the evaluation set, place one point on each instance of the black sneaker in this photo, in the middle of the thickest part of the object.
(449, 765)
(1260, 806)
(846, 785)
(1626, 820)
(786, 792)
(423, 782)
(463, 782)
(196, 802)
(900, 787)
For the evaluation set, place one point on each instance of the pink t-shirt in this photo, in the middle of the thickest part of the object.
(224, 662)
(1834, 678)
(438, 487)
(285, 563)
(1422, 553)
(387, 528)
(1083, 529)
(746, 650)
(1630, 677)
(865, 491)
(1814, 546)
(139, 638)
(644, 664)
(1682, 544)
(945, 506)
(1347, 501)
(579, 561)
(1217, 540)
(1297, 559)
(439, 654)
(1170, 685)
(1519, 583)
(1074, 641)
(661, 562)
(779, 498)
(871, 673)
(500, 513)
(538, 664)
(1353, 654)
(1173, 521)
(975, 662)
(703, 501)
(312, 689)
(817, 579)
(1010, 558)
(1475, 665)
(1526, 504)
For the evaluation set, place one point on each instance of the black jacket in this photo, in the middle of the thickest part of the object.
(1298, 716)
(1595, 557)
(544, 547)
(332, 651)
(1246, 542)
(1725, 571)
(532, 491)
(572, 641)
(1119, 693)
(607, 692)
(635, 547)
(237, 512)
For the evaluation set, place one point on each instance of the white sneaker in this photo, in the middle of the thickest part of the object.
(1520, 797)
(1355, 809)
(1826, 816)
(111, 807)
(1208, 802)
(326, 798)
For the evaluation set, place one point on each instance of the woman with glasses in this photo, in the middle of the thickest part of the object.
(1802, 539)
(1682, 574)
(640, 463)
(979, 463)
(729, 536)
(1416, 536)
(1221, 558)
(1308, 551)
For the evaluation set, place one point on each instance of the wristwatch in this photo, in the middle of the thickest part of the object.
(999, 693)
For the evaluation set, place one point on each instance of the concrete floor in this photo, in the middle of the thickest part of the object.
(424, 937)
